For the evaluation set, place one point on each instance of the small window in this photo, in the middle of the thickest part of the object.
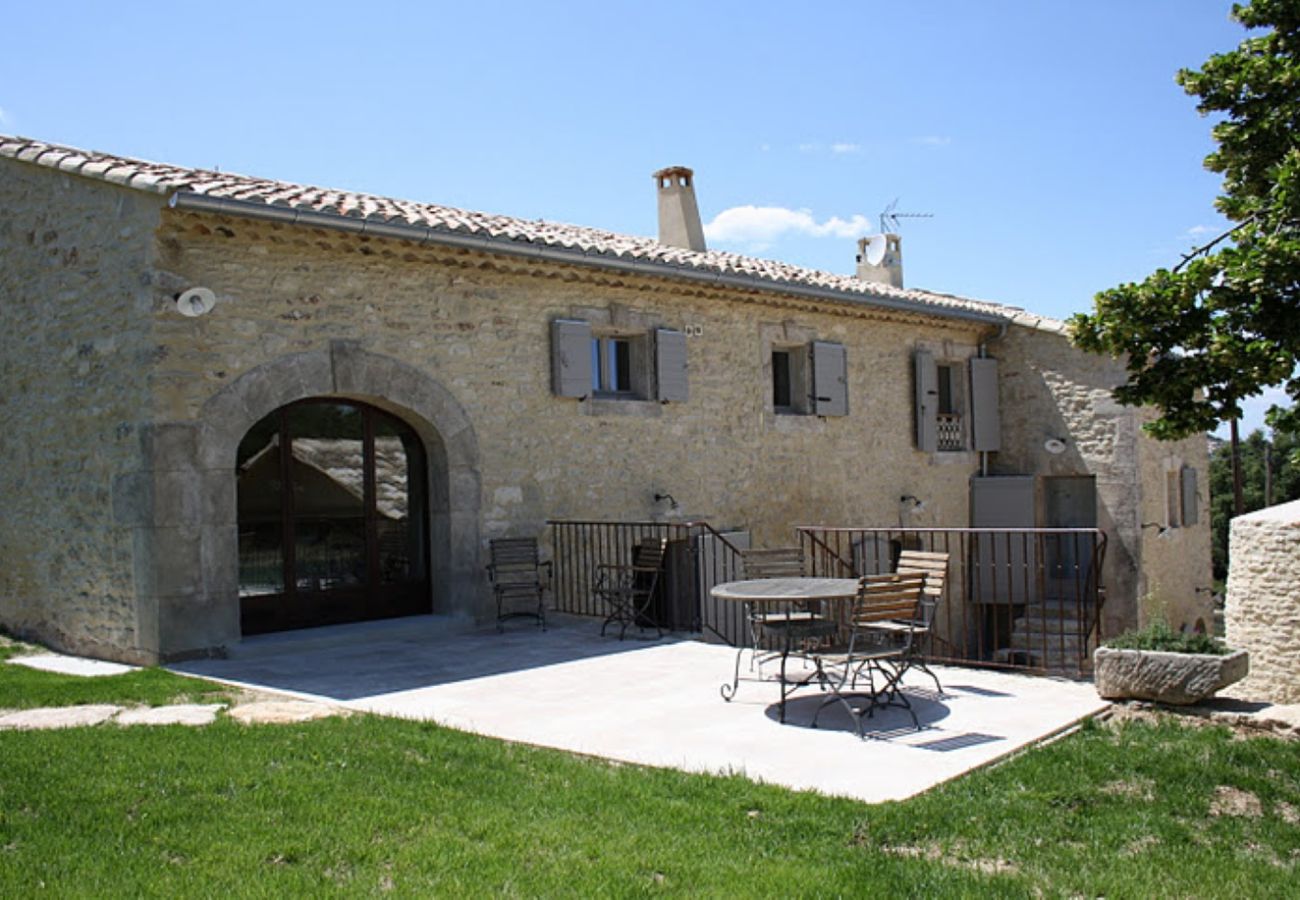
(781, 388)
(1173, 499)
(946, 378)
(611, 365)
(951, 427)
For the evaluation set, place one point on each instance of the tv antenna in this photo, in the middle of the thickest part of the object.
(889, 217)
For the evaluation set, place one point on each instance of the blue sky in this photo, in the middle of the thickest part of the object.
(1049, 140)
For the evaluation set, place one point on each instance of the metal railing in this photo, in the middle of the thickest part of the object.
(949, 434)
(1025, 598)
(698, 557)
(1020, 598)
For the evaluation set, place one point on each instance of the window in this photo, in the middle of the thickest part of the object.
(623, 365)
(782, 392)
(1181, 509)
(951, 431)
(810, 379)
(952, 414)
(611, 365)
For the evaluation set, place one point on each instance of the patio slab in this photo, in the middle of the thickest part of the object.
(656, 703)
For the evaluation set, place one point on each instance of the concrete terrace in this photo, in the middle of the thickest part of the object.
(654, 703)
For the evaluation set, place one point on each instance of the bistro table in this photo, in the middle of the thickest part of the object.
(805, 602)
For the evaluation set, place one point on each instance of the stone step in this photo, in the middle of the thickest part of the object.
(1036, 625)
(1054, 664)
(1049, 644)
(1060, 608)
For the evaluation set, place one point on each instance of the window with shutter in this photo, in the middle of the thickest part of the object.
(830, 377)
(571, 368)
(671, 383)
(1191, 510)
(926, 378)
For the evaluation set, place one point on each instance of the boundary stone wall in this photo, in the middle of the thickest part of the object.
(1263, 604)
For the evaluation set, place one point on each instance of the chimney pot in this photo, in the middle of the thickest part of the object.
(679, 214)
(889, 269)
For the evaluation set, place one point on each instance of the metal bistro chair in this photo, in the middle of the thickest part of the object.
(628, 590)
(516, 574)
(880, 649)
(780, 562)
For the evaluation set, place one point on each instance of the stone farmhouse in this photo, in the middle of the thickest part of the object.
(234, 405)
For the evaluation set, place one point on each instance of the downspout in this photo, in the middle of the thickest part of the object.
(983, 354)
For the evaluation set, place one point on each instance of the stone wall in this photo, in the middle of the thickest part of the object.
(480, 328)
(75, 362)
(1052, 390)
(1263, 604)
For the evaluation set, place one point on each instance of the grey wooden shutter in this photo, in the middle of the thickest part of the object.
(570, 358)
(986, 421)
(830, 379)
(670, 365)
(927, 401)
(1191, 514)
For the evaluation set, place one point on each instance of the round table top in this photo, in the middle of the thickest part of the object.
(787, 589)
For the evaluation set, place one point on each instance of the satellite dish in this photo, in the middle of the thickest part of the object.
(1054, 446)
(876, 247)
(196, 302)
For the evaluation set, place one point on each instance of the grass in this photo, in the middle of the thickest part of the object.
(24, 688)
(366, 805)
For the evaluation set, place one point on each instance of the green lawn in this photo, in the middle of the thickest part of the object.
(368, 805)
(24, 688)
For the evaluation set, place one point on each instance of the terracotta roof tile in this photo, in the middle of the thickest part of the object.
(167, 179)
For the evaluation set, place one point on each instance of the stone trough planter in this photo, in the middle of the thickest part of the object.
(1176, 678)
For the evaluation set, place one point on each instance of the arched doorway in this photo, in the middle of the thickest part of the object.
(333, 516)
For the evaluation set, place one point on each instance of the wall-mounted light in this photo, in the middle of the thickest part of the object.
(672, 504)
(195, 302)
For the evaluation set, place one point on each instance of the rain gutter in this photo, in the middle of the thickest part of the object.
(422, 234)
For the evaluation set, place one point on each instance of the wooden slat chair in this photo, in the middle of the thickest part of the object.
(778, 562)
(934, 565)
(878, 656)
(628, 590)
(516, 573)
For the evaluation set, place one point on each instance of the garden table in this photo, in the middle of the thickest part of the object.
(805, 601)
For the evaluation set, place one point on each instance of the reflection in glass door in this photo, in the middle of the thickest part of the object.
(332, 509)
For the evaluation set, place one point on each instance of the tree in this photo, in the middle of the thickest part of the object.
(1278, 485)
(1224, 323)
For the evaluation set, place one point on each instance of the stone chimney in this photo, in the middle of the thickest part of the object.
(679, 216)
(880, 259)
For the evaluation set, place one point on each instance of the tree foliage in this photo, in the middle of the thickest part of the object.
(1283, 459)
(1224, 324)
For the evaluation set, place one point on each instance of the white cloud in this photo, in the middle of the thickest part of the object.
(5, 118)
(763, 224)
(843, 147)
(1198, 230)
(933, 140)
(809, 148)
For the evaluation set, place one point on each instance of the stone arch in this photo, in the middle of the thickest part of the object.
(204, 615)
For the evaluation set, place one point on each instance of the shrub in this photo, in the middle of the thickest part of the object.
(1159, 636)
